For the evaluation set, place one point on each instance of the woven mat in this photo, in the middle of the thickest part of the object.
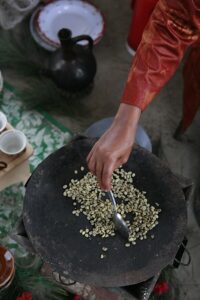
(45, 135)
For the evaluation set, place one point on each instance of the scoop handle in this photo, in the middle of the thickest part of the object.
(112, 199)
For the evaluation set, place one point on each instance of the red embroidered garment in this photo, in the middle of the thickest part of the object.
(172, 28)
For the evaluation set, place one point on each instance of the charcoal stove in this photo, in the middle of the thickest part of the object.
(140, 291)
(53, 232)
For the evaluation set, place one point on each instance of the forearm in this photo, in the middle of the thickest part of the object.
(172, 28)
(115, 145)
(127, 116)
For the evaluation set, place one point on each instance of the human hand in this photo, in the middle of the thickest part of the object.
(114, 147)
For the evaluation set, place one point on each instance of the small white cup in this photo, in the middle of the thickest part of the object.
(3, 121)
(12, 142)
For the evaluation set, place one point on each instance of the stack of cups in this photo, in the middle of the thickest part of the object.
(12, 142)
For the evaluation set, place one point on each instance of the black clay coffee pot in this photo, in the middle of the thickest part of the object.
(73, 65)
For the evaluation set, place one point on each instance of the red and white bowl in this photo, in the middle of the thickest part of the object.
(40, 40)
(78, 16)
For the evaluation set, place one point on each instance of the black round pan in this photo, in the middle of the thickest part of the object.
(54, 230)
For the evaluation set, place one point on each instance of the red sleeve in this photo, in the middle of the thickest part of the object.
(173, 26)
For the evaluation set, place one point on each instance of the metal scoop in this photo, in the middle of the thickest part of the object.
(119, 222)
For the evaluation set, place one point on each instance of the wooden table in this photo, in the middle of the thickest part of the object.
(17, 169)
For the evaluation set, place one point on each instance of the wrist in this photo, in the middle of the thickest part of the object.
(127, 115)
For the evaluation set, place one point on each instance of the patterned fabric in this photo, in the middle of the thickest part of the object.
(45, 135)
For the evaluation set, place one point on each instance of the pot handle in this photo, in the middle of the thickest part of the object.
(187, 186)
(179, 256)
(82, 38)
(21, 237)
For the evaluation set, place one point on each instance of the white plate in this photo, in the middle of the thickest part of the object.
(78, 16)
(38, 39)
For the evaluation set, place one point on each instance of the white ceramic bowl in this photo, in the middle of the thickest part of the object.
(38, 39)
(12, 142)
(3, 121)
(81, 17)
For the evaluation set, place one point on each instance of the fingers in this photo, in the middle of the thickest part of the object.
(107, 176)
(108, 169)
(104, 167)
(92, 165)
(102, 161)
(98, 172)
(91, 160)
(123, 160)
(95, 166)
(90, 154)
